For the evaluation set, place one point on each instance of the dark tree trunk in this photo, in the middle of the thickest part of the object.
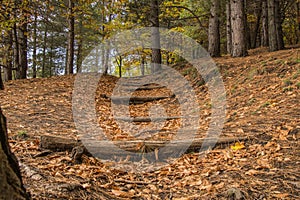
(44, 52)
(228, 27)
(11, 186)
(1, 81)
(7, 60)
(34, 57)
(239, 47)
(213, 31)
(16, 49)
(258, 12)
(22, 72)
(278, 23)
(275, 26)
(155, 37)
(79, 56)
(265, 30)
(143, 65)
(298, 15)
(71, 37)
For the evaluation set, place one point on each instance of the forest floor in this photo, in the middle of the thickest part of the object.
(263, 99)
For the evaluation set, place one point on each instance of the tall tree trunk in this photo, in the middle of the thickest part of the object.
(8, 58)
(298, 14)
(143, 65)
(16, 50)
(23, 52)
(275, 26)
(278, 23)
(155, 37)
(239, 48)
(71, 37)
(273, 43)
(1, 81)
(79, 56)
(265, 30)
(228, 27)
(34, 57)
(213, 31)
(258, 12)
(11, 186)
(44, 51)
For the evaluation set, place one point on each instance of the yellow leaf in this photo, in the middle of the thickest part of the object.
(237, 146)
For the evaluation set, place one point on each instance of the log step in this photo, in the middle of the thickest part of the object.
(137, 99)
(109, 149)
(146, 119)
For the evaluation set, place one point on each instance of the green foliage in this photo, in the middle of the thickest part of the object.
(287, 82)
(22, 134)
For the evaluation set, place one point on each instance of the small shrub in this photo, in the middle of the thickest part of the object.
(266, 104)
(22, 134)
(287, 89)
(287, 82)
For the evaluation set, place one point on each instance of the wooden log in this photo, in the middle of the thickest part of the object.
(109, 149)
(137, 99)
(144, 88)
(55, 143)
(145, 119)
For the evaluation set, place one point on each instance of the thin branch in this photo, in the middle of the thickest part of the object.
(192, 12)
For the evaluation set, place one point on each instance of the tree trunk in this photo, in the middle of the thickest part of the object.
(22, 74)
(228, 27)
(155, 37)
(16, 50)
(71, 37)
(239, 48)
(44, 52)
(34, 57)
(265, 30)
(1, 81)
(11, 186)
(278, 23)
(79, 56)
(298, 14)
(7, 60)
(275, 26)
(258, 12)
(213, 31)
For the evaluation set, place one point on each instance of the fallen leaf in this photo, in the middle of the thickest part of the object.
(237, 146)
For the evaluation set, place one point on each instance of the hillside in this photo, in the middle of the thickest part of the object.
(263, 101)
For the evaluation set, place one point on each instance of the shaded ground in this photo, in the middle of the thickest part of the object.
(263, 103)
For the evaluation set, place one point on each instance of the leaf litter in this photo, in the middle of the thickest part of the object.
(263, 103)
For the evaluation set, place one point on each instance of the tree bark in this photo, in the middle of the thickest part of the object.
(278, 23)
(265, 30)
(275, 26)
(16, 49)
(1, 81)
(7, 61)
(228, 27)
(71, 37)
(22, 72)
(155, 37)
(44, 51)
(239, 47)
(34, 57)
(11, 186)
(213, 31)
